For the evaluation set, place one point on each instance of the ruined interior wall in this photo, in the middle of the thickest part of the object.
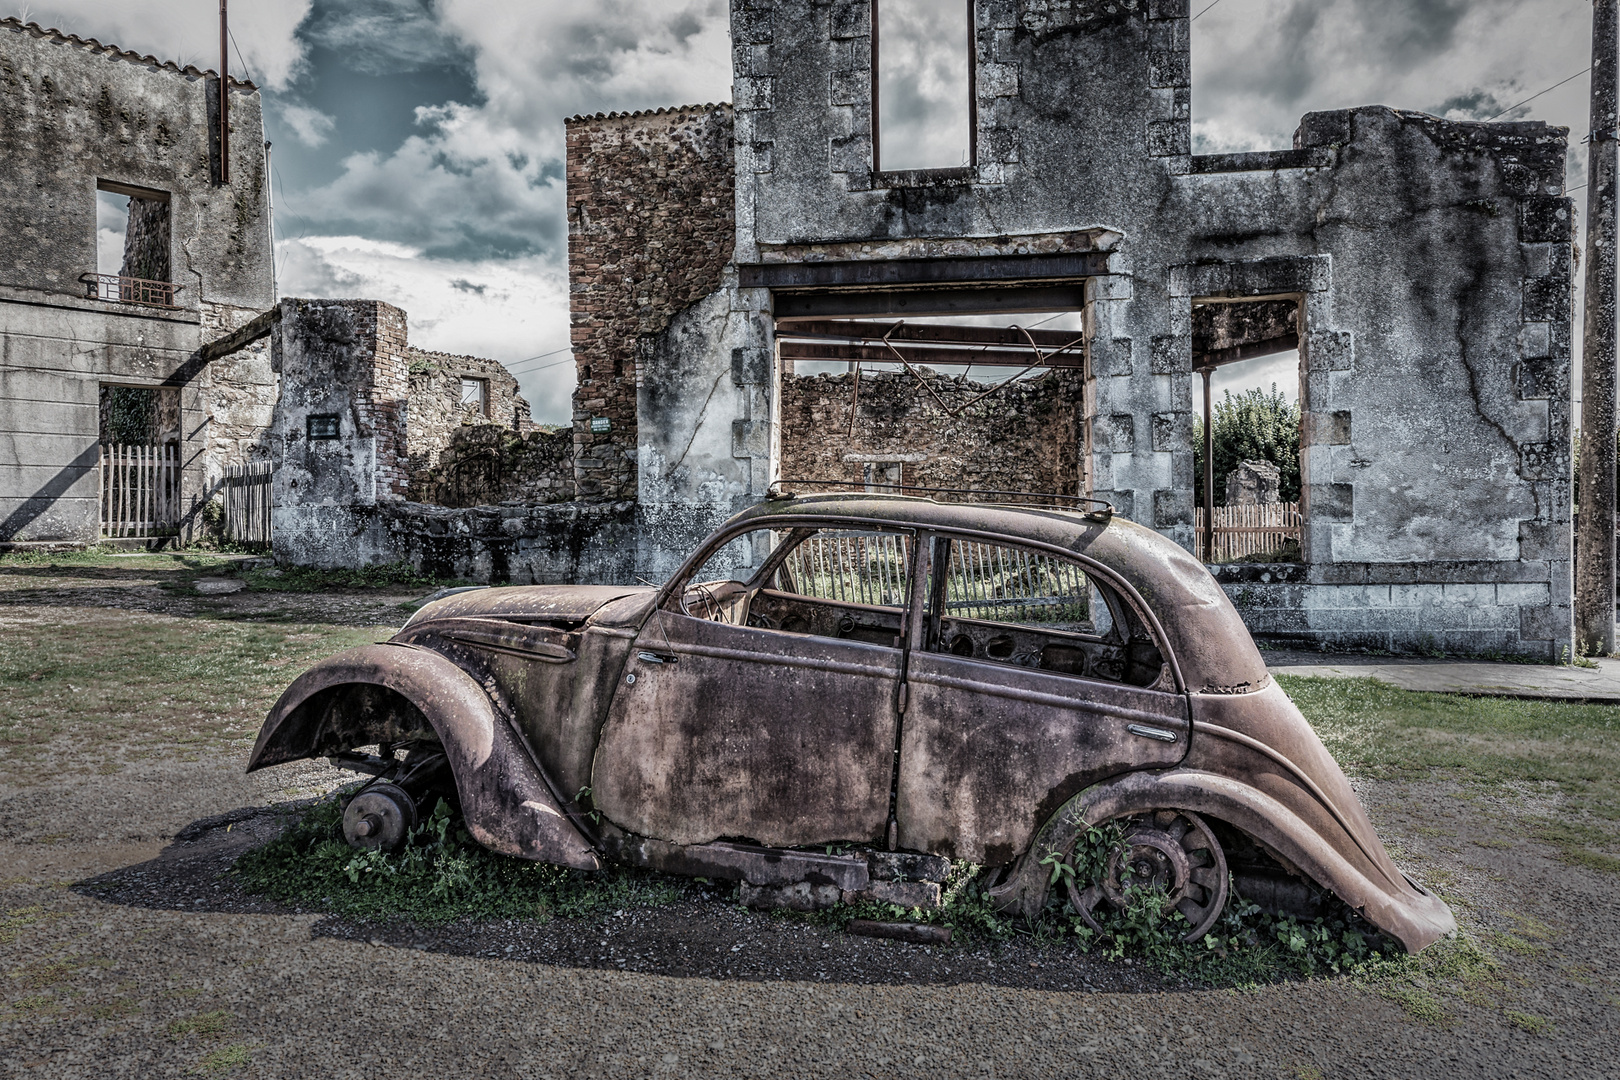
(147, 240)
(1023, 438)
(650, 232)
(1436, 375)
(435, 412)
(488, 465)
(239, 392)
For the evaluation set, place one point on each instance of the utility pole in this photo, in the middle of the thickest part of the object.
(224, 101)
(1595, 554)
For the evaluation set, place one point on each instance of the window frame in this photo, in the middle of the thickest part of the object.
(970, 171)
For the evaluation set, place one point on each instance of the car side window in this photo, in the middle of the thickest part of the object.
(1011, 605)
(837, 583)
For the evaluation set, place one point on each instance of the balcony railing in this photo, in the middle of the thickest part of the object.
(129, 290)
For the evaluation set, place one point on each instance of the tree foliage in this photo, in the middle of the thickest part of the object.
(1251, 426)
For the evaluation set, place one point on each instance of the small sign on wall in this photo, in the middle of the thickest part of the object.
(601, 425)
(322, 427)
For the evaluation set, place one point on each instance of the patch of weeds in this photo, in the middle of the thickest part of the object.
(1245, 946)
(1535, 1025)
(16, 919)
(1571, 841)
(1514, 944)
(116, 1009)
(206, 1025)
(965, 907)
(226, 1058)
(440, 874)
(1420, 1005)
(307, 579)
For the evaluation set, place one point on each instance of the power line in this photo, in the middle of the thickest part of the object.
(558, 363)
(1532, 97)
(1195, 18)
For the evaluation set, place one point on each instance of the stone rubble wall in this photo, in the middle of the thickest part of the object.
(1024, 437)
(487, 465)
(434, 412)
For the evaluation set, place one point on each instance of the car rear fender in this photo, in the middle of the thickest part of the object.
(505, 801)
(1408, 913)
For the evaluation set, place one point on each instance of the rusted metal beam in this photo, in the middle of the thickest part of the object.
(809, 350)
(931, 332)
(1252, 351)
(900, 272)
(917, 303)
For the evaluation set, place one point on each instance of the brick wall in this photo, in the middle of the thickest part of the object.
(1023, 438)
(650, 231)
(489, 465)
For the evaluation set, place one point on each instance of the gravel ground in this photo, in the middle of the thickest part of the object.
(122, 953)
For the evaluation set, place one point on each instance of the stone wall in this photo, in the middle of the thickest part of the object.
(650, 231)
(435, 412)
(343, 362)
(486, 465)
(1024, 437)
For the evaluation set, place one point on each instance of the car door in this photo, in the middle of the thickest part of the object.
(759, 701)
(1036, 679)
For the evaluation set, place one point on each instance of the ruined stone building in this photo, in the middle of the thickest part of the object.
(112, 352)
(757, 296)
(1421, 268)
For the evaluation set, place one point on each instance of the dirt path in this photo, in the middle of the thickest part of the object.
(122, 953)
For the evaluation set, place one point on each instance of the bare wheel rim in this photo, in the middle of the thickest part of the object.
(1172, 849)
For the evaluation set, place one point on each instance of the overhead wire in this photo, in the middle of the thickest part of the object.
(1533, 97)
(1195, 18)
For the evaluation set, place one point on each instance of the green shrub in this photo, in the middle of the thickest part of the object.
(1252, 426)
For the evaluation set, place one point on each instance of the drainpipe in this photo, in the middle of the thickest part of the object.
(1595, 544)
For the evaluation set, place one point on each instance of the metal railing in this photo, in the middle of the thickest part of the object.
(140, 490)
(129, 290)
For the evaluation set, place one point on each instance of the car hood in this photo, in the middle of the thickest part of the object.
(573, 604)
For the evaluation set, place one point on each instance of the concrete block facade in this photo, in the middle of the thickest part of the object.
(77, 116)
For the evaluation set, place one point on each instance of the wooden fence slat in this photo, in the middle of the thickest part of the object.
(1248, 530)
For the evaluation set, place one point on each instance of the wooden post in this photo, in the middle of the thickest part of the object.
(1595, 554)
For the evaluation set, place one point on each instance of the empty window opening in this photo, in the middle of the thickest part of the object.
(139, 415)
(1246, 442)
(885, 476)
(475, 396)
(132, 246)
(922, 84)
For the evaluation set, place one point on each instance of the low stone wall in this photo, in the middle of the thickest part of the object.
(1420, 608)
(568, 543)
(485, 465)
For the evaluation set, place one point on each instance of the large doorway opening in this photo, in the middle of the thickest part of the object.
(1247, 442)
(937, 399)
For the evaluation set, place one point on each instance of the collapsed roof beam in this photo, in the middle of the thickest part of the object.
(1253, 350)
(917, 303)
(807, 350)
(844, 330)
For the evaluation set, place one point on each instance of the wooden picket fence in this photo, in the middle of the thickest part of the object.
(140, 490)
(1245, 531)
(247, 502)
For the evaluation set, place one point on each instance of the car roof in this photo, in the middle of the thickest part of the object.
(1212, 646)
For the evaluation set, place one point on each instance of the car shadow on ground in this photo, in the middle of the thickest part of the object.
(704, 935)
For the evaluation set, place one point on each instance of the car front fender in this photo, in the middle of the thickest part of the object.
(505, 801)
(1405, 911)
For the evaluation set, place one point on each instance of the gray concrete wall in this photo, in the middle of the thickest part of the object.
(73, 113)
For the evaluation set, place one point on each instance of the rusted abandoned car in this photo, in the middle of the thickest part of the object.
(836, 693)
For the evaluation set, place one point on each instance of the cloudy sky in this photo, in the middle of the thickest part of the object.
(418, 143)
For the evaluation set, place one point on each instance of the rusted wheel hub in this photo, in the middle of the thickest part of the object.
(1172, 851)
(381, 816)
